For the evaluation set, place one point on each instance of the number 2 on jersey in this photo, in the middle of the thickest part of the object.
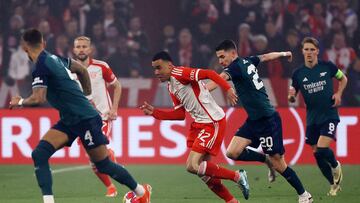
(255, 78)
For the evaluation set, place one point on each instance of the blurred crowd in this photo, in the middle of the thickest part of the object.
(120, 38)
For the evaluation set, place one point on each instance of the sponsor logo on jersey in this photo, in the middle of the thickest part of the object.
(37, 80)
(305, 79)
(323, 74)
(315, 86)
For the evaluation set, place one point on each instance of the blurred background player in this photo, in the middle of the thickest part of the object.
(207, 132)
(263, 125)
(101, 77)
(53, 82)
(314, 81)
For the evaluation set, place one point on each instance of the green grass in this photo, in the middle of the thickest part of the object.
(171, 184)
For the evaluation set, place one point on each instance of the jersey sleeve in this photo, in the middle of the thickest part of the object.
(334, 70)
(108, 74)
(185, 75)
(233, 71)
(40, 75)
(65, 61)
(254, 60)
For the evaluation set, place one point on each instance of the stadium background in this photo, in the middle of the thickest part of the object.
(125, 33)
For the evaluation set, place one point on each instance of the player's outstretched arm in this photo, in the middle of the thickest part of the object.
(212, 85)
(275, 55)
(82, 75)
(342, 84)
(176, 114)
(37, 97)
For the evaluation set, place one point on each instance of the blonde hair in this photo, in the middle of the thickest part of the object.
(83, 38)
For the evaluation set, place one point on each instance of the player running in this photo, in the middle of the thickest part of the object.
(206, 134)
(314, 81)
(263, 125)
(101, 77)
(53, 81)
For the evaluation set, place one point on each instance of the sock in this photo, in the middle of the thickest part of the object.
(294, 180)
(117, 172)
(328, 155)
(324, 167)
(41, 154)
(215, 171)
(139, 190)
(105, 179)
(218, 188)
(48, 199)
(251, 155)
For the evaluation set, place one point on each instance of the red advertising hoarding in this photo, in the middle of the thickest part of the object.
(140, 139)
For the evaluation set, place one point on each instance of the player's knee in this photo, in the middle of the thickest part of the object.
(42, 152)
(191, 168)
(103, 166)
(232, 155)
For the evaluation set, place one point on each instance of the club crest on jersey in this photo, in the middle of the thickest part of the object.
(323, 74)
(305, 79)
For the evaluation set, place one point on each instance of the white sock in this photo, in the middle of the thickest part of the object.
(139, 190)
(48, 199)
(304, 194)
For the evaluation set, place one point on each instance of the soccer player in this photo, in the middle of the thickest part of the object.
(53, 81)
(206, 134)
(263, 125)
(314, 81)
(101, 76)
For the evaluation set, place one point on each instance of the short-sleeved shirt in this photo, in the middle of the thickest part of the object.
(316, 86)
(63, 92)
(101, 76)
(249, 87)
(186, 90)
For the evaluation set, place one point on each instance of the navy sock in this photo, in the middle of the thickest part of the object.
(294, 180)
(40, 156)
(251, 155)
(328, 155)
(117, 172)
(324, 167)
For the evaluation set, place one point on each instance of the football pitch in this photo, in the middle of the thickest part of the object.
(171, 184)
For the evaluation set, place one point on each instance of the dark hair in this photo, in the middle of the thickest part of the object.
(311, 40)
(226, 45)
(163, 55)
(33, 37)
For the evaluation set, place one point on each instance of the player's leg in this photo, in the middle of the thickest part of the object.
(237, 151)
(208, 139)
(291, 177)
(216, 185)
(325, 153)
(52, 141)
(272, 144)
(105, 179)
(95, 142)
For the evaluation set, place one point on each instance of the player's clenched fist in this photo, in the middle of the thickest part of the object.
(147, 108)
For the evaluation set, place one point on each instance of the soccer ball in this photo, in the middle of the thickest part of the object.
(130, 197)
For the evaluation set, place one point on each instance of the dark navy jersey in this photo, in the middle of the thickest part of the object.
(249, 87)
(63, 92)
(316, 86)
